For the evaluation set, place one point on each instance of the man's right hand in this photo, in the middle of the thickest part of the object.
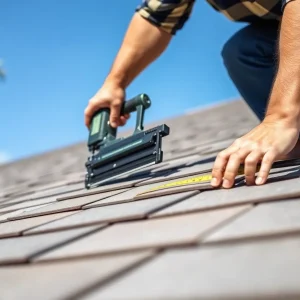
(111, 96)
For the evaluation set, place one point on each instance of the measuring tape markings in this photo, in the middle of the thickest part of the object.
(190, 181)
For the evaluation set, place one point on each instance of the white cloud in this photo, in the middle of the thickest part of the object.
(4, 157)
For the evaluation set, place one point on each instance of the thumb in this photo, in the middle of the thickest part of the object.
(115, 110)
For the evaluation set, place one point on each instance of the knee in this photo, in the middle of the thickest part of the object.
(239, 49)
(231, 52)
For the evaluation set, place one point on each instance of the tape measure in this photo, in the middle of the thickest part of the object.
(190, 181)
(206, 178)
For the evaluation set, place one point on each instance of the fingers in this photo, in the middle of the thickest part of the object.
(90, 110)
(264, 144)
(250, 167)
(220, 165)
(123, 121)
(115, 118)
(228, 162)
(232, 167)
(115, 110)
(265, 168)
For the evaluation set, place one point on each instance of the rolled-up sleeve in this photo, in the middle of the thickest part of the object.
(169, 15)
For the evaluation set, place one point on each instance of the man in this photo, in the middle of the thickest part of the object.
(270, 87)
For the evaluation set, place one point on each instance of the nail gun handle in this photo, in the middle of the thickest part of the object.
(132, 105)
(100, 128)
(139, 104)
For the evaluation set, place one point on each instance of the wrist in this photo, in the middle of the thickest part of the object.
(117, 80)
(284, 104)
(283, 118)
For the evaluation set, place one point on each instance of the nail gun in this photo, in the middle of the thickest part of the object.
(113, 157)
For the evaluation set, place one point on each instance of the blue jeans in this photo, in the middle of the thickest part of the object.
(250, 59)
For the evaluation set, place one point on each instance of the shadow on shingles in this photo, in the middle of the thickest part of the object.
(152, 174)
(295, 173)
(139, 175)
(203, 161)
(292, 175)
(274, 171)
(183, 166)
(149, 175)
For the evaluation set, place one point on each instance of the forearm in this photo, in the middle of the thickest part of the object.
(285, 97)
(142, 44)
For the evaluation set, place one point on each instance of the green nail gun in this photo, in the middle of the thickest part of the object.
(113, 157)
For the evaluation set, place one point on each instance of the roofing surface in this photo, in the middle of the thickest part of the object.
(60, 241)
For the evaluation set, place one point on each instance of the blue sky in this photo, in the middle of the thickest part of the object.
(57, 54)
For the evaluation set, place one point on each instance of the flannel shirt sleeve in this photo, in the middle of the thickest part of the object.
(169, 15)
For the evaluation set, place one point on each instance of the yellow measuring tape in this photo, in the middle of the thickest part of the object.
(199, 179)
(190, 181)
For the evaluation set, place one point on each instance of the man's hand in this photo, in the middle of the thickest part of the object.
(142, 44)
(265, 143)
(111, 96)
(278, 134)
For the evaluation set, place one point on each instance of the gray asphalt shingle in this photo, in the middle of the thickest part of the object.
(254, 270)
(209, 243)
(146, 234)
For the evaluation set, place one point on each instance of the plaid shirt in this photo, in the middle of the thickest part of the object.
(171, 15)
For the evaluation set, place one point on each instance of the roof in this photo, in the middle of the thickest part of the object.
(60, 241)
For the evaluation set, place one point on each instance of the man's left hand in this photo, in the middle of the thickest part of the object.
(266, 143)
